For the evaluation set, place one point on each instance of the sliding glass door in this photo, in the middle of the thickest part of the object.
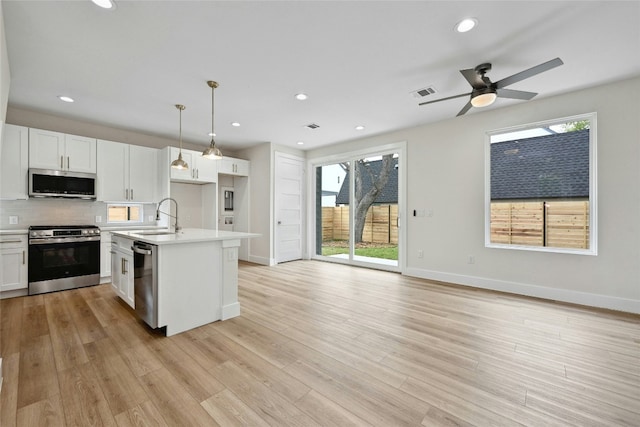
(357, 210)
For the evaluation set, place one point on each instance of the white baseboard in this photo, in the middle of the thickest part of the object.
(261, 260)
(231, 310)
(555, 294)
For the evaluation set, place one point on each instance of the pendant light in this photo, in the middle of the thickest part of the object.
(212, 152)
(179, 163)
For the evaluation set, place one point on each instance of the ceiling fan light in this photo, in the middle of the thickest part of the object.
(484, 99)
(466, 25)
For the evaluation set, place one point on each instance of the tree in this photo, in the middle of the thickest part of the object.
(367, 188)
(574, 126)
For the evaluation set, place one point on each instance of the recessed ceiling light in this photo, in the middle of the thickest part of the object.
(105, 4)
(236, 124)
(65, 98)
(300, 143)
(301, 96)
(359, 127)
(466, 24)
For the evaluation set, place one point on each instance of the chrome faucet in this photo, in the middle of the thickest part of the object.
(158, 212)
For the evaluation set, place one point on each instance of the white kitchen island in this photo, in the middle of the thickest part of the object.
(197, 275)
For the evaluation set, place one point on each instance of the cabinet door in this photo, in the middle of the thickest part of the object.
(13, 258)
(113, 177)
(231, 166)
(206, 169)
(46, 149)
(225, 165)
(80, 154)
(143, 174)
(116, 269)
(241, 167)
(15, 163)
(105, 254)
(177, 174)
(127, 278)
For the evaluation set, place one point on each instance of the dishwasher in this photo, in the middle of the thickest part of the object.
(145, 281)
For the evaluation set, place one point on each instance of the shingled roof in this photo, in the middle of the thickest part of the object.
(549, 166)
(388, 195)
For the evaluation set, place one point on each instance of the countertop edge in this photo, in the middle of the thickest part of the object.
(191, 235)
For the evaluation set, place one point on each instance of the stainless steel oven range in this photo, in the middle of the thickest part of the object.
(63, 257)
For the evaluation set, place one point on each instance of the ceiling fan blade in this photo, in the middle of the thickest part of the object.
(466, 108)
(528, 73)
(515, 94)
(474, 79)
(444, 99)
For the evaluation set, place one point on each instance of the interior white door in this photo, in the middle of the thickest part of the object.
(289, 205)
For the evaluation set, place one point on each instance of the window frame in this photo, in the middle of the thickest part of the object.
(128, 206)
(593, 231)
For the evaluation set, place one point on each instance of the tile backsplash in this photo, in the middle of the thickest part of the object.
(60, 212)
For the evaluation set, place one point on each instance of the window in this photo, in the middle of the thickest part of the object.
(124, 213)
(541, 186)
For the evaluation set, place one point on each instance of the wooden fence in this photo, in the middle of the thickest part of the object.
(560, 224)
(381, 224)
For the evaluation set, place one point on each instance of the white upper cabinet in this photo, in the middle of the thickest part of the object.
(201, 170)
(127, 173)
(59, 151)
(143, 174)
(231, 166)
(15, 163)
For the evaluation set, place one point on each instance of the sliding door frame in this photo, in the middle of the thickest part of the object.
(352, 156)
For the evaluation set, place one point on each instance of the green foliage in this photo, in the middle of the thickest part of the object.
(574, 126)
(384, 252)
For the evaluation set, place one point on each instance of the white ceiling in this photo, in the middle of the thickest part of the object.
(358, 61)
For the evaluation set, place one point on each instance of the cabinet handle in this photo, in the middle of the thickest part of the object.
(11, 241)
(68, 163)
(61, 162)
(23, 257)
(198, 173)
(132, 194)
(126, 194)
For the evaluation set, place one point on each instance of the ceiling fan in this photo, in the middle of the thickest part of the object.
(485, 91)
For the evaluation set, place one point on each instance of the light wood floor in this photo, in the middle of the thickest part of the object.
(322, 344)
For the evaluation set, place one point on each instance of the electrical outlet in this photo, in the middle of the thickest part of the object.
(151, 218)
(471, 259)
(98, 218)
(429, 213)
(13, 219)
(420, 253)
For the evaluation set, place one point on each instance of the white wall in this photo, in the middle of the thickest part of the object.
(5, 76)
(446, 175)
(260, 216)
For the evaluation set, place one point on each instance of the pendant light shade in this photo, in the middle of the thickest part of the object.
(179, 163)
(212, 152)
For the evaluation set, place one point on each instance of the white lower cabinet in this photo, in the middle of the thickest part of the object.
(122, 269)
(13, 256)
(105, 256)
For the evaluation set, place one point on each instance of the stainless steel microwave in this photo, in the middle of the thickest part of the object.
(55, 183)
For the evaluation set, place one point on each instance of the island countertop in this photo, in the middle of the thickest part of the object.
(187, 235)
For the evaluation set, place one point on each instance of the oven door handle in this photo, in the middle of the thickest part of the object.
(64, 240)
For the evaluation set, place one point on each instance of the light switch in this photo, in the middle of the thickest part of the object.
(13, 219)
